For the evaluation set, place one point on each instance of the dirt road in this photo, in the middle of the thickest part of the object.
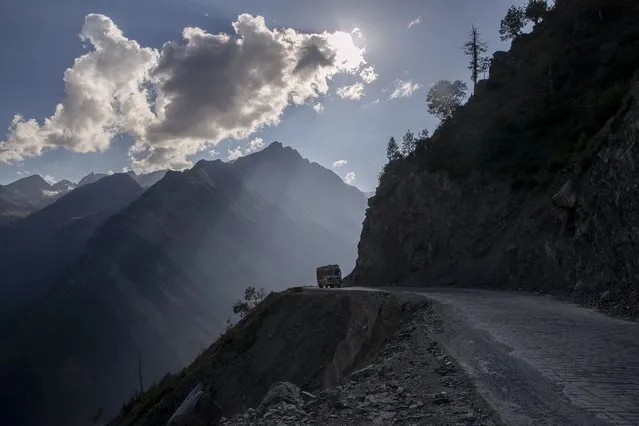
(538, 360)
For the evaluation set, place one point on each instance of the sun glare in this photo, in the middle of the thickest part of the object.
(349, 56)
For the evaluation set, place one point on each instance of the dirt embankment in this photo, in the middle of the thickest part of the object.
(312, 339)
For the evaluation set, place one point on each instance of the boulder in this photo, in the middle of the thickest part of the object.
(197, 409)
(281, 392)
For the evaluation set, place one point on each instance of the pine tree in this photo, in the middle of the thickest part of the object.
(392, 150)
(513, 23)
(408, 144)
(475, 48)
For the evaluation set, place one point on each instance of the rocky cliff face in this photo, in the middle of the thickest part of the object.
(532, 185)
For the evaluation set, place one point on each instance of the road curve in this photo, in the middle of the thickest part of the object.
(540, 361)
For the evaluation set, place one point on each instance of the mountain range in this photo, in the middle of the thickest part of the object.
(43, 244)
(27, 195)
(150, 276)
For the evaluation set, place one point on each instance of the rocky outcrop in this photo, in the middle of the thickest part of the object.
(520, 190)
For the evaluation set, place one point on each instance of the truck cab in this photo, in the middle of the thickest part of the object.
(329, 276)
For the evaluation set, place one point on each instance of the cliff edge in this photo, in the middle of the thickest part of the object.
(318, 357)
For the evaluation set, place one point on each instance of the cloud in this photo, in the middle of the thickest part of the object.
(369, 75)
(187, 96)
(414, 22)
(404, 89)
(349, 178)
(104, 97)
(49, 179)
(214, 153)
(253, 146)
(319, 108)
(340, 163)
(354, 91)
(234, 154)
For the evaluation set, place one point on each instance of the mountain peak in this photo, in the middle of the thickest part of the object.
(274, 145)
(64, 185)
(276, 152)
(33, 182)
(90, 178)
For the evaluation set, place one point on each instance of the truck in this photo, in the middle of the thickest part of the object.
(329, 276)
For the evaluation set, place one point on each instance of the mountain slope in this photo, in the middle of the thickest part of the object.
(64, 186)
(149, 179)
(305, 191)
(38, 248)
(159, 279)
(91, 178)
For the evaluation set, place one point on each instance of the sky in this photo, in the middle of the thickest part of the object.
(114, 85)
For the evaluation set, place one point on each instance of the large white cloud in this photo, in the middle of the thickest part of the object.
(104, 97)
(187, 96)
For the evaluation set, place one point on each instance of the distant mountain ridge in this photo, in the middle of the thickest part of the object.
(145, 180)
(24, 196)
(21, 198)
(159, 278)
(39, 247)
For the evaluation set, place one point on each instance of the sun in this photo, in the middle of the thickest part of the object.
(349, 55)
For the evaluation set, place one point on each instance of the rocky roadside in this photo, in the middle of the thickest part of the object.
(411, 382)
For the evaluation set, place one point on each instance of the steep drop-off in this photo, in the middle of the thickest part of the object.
(312, 339)
(533, 183)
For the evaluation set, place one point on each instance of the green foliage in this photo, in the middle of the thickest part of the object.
(408, 143)
(535, 10)
(513, 23)
(444, 97)
(392, 150)
(475, 48)
(252, 298)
